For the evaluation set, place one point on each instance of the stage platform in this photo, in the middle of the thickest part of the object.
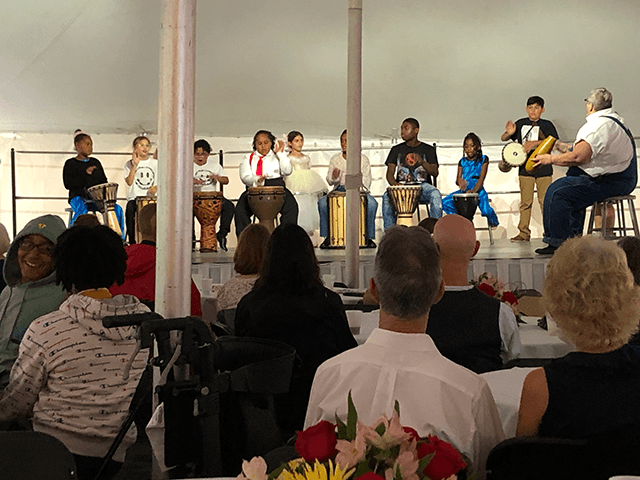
(513, 263)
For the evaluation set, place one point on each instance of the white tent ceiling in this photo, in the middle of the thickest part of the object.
(457, 66)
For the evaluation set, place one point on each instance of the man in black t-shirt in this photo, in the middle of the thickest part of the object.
(530, 132)
(412, 162)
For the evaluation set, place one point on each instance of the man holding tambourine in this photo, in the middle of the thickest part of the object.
(526, 134)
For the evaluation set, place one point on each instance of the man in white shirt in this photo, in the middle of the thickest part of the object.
(209, 176)
(602, 163)
(469, 327)
(265, 166)
(336, 177)
(400, 362)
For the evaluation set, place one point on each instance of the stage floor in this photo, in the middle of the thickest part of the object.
(513, 263)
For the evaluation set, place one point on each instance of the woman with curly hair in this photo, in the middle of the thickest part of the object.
(590, 293)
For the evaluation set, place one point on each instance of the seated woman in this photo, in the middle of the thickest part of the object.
(80, 401)
(290, 304)
(590, 293)
(265, 166)
(246, 262)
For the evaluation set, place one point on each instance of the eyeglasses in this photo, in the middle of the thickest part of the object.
(43, 248)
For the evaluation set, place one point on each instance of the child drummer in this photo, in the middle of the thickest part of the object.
(265, 166)
(472, 171)
(208, 174)
(529, 132)
(82, 172)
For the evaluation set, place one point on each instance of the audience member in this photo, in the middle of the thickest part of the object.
(56, 378)
(4, 246)
(590, 293)
(631, 247)
(31, 289)
(399, 362)
(468, 326)
(290, 304)
(246, 262)
(140, 276)
(87, 220)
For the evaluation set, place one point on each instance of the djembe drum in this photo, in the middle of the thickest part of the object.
(142, 202)
(266, 203)
(513, 155)
(337, 204)
(206, 208)
(404, 200)
(105, 196)
(466, 204)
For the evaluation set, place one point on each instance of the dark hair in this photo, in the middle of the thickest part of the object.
(147, 220)
(476, 142)
(293, 134)
(87, 220)
(428, 224)
(412, 121)
(252, 244)
(344, 132)
(138, 139)
(290, 266)
(89, 257)
(264, 132)
(631, 247)
(535, 100)
(79, 136)
(203, 144)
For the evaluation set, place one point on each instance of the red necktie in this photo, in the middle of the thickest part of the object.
(259, 167)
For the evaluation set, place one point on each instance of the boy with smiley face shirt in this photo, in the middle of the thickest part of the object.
(208, 174)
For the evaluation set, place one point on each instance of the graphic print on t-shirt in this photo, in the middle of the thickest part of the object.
(145, 178)
(204, 175)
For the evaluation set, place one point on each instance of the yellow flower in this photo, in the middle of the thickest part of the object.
(317, 471)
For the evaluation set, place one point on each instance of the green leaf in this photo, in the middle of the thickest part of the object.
(342, 429)
(424, 461)
(396, 407)
(380, 429)
(398, 475)
(361, 469)
(276, 472)
(352, 419)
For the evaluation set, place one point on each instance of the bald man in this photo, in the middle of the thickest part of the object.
(469, 327)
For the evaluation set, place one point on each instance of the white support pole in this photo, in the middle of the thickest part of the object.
(354, 134)
(175, 179)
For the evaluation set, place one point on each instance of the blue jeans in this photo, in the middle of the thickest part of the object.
(430, 196)
(372, 209)
(567, 199)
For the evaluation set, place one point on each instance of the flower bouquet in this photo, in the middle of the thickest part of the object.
(495, 288)
(351, 450)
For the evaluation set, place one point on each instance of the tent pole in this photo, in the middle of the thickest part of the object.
(175, 127)
(354, 133)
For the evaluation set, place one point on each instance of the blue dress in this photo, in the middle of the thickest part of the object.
(471, 170)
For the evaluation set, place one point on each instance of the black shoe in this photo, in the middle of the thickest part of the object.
(548, 250)
(325, 244)
(370, 243)
(222, 241)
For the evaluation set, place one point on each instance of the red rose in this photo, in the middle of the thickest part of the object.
(445, 463)
(370, 476)
(486, 288)
(509, 298)
(317, 442)
(414, 434)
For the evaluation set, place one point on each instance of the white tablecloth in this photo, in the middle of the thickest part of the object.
(539, 343)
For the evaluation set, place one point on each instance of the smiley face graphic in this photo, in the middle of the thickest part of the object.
(204, 175)
(145, 178)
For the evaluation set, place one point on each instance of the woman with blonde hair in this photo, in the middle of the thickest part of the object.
(590, 293)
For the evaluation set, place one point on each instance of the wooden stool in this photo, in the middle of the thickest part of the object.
(621, 228)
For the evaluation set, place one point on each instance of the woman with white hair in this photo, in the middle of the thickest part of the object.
(590, 293)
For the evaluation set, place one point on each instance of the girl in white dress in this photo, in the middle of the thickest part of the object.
(305, 184)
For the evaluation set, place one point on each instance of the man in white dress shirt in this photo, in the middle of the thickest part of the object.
(602, 163)
(265, 166)
(400, 362)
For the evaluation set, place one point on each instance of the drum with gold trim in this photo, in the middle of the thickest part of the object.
(207, 207)
(105, 196)
(336, 201)
(142, 202)
(266, 203)
(404, 200)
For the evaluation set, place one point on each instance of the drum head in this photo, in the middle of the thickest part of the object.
(514, 154)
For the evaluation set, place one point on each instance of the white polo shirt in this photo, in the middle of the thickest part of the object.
(273, 166)
(611, 146)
